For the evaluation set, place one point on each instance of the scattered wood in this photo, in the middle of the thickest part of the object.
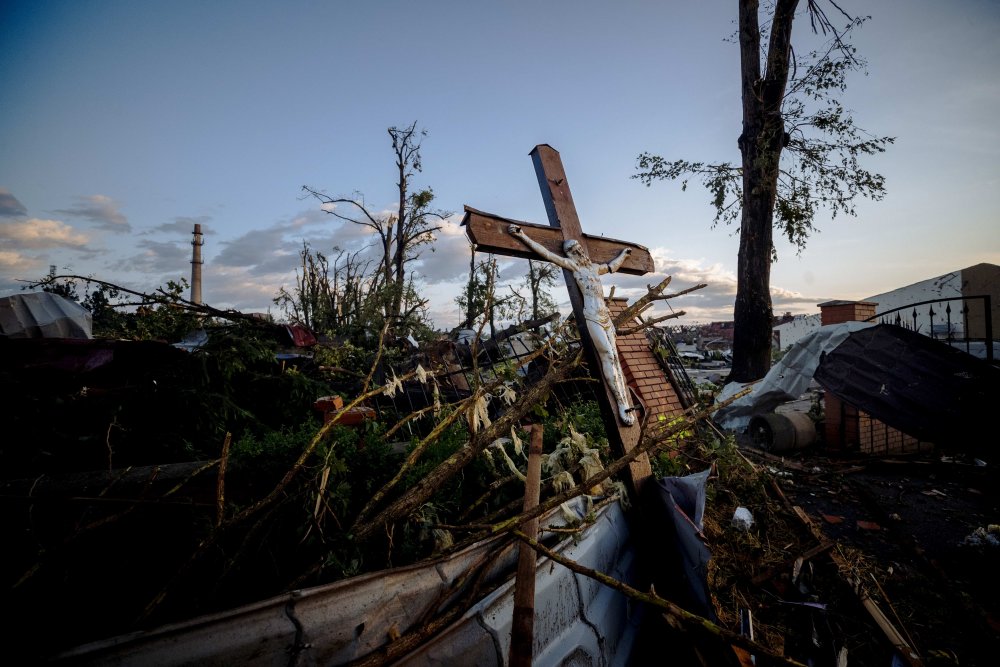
(907, 651)
(796, 563)
(780, 460)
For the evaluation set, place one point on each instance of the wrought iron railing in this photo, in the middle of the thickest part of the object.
(945, 324)
(670, 361)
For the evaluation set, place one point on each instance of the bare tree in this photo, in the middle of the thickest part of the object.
(400, 234)
(792, 104)
(480, 301)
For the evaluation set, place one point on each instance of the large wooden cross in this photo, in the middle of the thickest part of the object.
(490, 233)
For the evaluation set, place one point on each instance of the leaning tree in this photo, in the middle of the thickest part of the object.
(800, 153)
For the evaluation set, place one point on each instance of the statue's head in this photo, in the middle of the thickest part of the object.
(573, 247)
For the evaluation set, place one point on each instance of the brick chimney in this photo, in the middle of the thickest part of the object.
(835, 312)
(196, 243)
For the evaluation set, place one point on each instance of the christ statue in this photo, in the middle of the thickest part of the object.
(596, 315)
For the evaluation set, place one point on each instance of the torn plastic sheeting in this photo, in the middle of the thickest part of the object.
(787, 380)
(679, 505)
(43, 315)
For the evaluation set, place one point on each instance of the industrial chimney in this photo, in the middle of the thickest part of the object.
(196, 243)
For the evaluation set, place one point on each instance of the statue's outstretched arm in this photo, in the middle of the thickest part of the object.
(617, 262)
(541, 250)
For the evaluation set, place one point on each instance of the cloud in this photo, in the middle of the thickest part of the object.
(10, 207)
(448, 258)
(312, 217)
(13, 262)
(183, 225)
(36, 233)
(795, 302)
(258, 247)
(276, 249)
(101, 210)
(238, 288)
(159, 258)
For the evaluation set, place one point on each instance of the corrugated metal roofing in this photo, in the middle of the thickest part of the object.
(577, 620)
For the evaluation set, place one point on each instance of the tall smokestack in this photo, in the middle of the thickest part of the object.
(196, 243)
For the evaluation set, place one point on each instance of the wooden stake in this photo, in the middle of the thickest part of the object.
(522, 637)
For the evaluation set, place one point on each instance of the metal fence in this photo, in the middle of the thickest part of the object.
(968, 326)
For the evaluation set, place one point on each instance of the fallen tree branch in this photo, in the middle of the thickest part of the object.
(419, 493)
(162, 299)
(633, 311)
(473, 580)
(650, 443)
(273, 496)
(847, 572)
(645, 324)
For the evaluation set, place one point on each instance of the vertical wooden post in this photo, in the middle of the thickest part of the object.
(522, 635)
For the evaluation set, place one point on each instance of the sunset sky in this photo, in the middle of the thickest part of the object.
(123, 123)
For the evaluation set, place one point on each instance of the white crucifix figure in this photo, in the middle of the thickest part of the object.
(596, 315)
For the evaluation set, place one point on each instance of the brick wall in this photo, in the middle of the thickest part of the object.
(876, 437)
(644, 374)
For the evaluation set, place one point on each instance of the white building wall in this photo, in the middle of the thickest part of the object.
(943, 287)
(789, 333)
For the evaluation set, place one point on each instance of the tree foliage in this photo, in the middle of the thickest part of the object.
(480, 302)
(540, 278)
(801, 154)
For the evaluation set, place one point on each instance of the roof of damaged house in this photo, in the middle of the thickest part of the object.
(918, 385)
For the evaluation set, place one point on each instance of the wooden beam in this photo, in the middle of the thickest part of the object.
(522, 630)
(489, 232)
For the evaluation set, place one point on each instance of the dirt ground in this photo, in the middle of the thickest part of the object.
(919, 530)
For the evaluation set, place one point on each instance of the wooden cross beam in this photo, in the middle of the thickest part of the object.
(491, 233)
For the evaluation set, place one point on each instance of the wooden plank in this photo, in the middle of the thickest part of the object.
(489, 232)
(522, 631)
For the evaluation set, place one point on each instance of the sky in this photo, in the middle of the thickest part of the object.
(124, 123)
